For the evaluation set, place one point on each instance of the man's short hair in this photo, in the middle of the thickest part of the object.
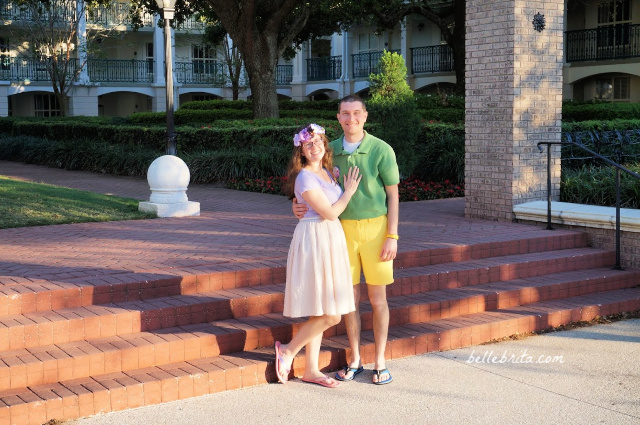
(352, 98)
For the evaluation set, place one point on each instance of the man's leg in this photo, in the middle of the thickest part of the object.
(380, 307)
(353, 324)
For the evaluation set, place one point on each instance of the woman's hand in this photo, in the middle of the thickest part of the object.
(351, 181)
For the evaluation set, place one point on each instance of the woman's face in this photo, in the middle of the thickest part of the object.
(314, 149)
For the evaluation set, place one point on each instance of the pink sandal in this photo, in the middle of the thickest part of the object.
(279, 361)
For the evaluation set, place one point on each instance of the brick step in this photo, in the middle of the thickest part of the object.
(460, 274)
(86, 322)
(21, 296)
(39, 365)
(90, 322)
(476, 251)
(101, 393)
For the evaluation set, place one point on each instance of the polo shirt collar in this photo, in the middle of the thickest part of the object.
(363, 148)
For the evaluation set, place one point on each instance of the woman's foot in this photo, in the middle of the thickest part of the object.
(283, 363)
(320, 379)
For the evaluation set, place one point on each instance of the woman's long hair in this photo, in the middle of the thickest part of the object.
(298, 161)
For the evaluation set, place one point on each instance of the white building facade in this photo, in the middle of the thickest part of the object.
(602, 61)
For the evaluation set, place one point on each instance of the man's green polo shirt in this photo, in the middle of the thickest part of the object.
(377, 163)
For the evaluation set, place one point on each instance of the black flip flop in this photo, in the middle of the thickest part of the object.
(347, 369)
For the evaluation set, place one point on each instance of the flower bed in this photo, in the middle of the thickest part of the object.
(410, 189)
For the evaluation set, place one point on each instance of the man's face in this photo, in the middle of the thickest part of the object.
(352, 117)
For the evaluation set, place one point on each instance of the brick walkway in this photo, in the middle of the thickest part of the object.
(236, 230)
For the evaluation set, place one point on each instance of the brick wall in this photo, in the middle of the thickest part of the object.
(513, 101)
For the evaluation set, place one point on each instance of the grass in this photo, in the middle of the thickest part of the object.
(25, 204)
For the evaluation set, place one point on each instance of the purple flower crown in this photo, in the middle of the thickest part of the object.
(307, 134)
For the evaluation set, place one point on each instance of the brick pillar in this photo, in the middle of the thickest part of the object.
(513, 101)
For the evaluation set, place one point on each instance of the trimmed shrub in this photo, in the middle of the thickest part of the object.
(440, 154)
(393, 108)
(446, 115)
(606, 111)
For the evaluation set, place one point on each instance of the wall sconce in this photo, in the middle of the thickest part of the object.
(420, 26)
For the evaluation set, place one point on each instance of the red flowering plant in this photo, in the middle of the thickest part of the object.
(271, 185)
(410, 189)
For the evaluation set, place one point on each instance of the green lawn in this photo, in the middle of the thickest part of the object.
(36, 204)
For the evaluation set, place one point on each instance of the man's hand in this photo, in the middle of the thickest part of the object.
(299, 210)
(389, 249)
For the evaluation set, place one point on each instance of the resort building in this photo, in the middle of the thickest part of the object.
(126, 74)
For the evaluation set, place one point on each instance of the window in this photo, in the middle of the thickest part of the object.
(201, 97)
(5, 57)
(613, 89)
(367, 42)
(203, 59)
(149, 57)
(614, 20)
(46, 105)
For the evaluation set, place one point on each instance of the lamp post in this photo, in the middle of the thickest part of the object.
(167, 7)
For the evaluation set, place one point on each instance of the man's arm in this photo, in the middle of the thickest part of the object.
(299, 210)
(390, 247)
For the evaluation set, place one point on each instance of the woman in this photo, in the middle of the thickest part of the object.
(318, 274)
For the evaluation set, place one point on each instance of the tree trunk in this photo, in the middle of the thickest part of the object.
(458, 45)
(261, 68)
(263, 92)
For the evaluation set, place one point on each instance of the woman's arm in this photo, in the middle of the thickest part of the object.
(320, 203)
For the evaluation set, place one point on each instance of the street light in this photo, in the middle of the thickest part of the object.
(168, 175)
(167, 7)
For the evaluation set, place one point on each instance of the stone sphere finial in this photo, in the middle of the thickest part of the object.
(168, 178)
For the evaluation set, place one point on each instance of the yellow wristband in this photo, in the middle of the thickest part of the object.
(396, 237)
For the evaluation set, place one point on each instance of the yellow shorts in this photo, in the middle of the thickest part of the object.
(365, 239)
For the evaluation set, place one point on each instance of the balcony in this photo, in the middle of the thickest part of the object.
(120, 71)
(26, 70)
(200, 72)
(114, 14)
(364, 64)
(603, 43)
(324, 69)
(99, 70)
(431, 59)
(284, 74)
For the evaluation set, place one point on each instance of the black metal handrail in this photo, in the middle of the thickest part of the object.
(618, 168)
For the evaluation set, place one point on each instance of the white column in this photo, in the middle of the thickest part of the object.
(346, 56)
(300, 64)
(158, 53)
(4, 98)
(405, 42)
(81, 39)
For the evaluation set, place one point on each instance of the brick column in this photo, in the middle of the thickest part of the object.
(513, 101)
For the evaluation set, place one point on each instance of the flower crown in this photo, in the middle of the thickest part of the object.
(307, 134)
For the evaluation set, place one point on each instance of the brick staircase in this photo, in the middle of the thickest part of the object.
(77, 350)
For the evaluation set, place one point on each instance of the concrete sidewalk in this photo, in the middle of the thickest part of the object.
(584, 376)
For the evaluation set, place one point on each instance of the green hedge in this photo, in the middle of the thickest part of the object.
(284, 105)
(603, 111)
(204, 167)
(205, 117)
(445, 115)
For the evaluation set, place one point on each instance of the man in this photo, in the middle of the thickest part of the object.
(370, 223)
